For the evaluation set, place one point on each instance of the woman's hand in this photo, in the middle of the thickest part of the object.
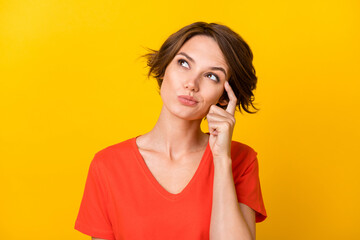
(221, 126)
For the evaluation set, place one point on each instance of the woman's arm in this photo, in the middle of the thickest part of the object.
(249, 215)
(229, 219)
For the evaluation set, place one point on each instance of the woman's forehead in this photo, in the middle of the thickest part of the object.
(204, 50)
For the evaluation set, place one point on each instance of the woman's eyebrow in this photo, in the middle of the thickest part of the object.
(220, 69)
(187, 56)
(192, 60)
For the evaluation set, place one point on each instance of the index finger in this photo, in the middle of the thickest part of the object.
(232, 99)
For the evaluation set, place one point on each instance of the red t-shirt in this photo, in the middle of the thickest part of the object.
(123, 200)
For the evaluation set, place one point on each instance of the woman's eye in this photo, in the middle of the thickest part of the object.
(183, 63)
(213, 77)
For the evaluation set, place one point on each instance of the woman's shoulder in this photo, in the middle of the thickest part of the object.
(115, 151)
(241, 152)
(237, 146)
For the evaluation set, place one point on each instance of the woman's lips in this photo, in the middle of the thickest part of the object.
(187, 100)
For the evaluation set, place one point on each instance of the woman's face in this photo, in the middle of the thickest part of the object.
(198, 71)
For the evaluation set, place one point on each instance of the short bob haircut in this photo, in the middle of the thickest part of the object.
(238, 56)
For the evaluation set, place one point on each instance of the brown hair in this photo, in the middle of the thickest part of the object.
(238, 56)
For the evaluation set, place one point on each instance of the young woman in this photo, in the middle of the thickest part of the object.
(176, 182)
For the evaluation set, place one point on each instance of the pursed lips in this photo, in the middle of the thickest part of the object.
(190, 98)
(187, 100)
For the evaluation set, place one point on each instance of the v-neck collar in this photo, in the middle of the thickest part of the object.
(157, 185)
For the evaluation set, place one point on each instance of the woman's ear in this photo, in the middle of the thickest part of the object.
(223, 102)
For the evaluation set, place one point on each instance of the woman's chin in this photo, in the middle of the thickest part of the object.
(189, 116)
(185, 113)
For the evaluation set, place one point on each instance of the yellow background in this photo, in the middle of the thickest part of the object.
(72, 83)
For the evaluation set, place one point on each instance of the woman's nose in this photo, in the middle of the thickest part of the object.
(192, 84)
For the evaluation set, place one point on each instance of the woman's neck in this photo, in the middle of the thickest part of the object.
(175, 136)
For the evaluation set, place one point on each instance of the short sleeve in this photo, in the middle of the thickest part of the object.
(247, 185)
(93, 218)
